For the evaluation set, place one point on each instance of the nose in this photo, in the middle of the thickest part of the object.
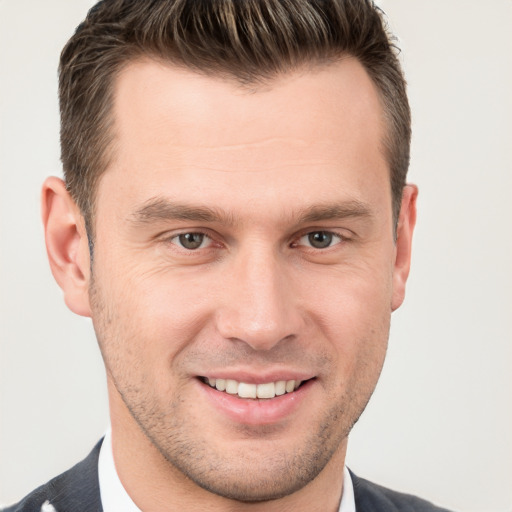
(259, 303)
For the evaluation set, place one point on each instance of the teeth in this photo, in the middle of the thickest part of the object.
(290, 386)
(280, 387)
(247, 390)
(266, 390)
(231, 387)
(244, 390)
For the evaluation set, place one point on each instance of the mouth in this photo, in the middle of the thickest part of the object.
(264, 390)
(253, 402)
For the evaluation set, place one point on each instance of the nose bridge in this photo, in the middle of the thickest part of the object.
(259, 308)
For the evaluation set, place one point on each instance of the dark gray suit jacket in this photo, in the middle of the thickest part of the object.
(77, 490)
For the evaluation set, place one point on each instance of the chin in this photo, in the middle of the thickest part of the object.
(251, 486)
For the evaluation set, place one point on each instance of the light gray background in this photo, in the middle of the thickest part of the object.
(440, 422)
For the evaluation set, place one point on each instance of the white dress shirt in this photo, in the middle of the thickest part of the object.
(114, 497)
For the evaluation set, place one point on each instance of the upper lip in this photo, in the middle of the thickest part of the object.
(251, 377)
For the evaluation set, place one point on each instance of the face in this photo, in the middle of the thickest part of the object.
(245, 271)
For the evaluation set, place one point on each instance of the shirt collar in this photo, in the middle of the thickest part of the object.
(348, 502)
(114, 497)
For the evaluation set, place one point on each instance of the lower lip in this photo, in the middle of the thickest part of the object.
(257, 411)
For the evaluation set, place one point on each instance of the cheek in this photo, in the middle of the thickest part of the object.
(353, 313)
(353, 300)
(151, 318)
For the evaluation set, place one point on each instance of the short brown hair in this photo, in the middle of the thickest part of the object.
(248, 40)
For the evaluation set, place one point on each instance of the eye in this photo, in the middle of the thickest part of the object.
(320, 239)
(191, 241)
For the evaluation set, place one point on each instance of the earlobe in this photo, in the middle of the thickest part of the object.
(66, 245)
(406, 223)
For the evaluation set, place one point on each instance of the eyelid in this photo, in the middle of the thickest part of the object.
(333, 244)
(343, 235)
(168, 237)
(205, 241)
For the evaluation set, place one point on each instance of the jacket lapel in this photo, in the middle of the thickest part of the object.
(77, 490)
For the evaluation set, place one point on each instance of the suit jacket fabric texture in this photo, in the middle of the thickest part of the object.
(78, 490)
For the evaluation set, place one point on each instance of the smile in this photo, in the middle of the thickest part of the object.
(245, 390)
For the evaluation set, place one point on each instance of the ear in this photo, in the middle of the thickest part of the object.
(67, 245)
(405, 228)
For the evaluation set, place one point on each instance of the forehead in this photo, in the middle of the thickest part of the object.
(203, 136)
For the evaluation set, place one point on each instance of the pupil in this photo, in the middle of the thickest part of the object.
(191, 240)
(320, 239)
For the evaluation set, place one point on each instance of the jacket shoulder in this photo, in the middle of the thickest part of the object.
(76, 490)
(370, 497)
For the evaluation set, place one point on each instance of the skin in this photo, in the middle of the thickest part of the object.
(256, 300)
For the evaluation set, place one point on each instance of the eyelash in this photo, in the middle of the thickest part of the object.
(332, 234)
(341, 239)
(198, 232)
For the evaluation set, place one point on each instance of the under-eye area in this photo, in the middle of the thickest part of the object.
(264, 390)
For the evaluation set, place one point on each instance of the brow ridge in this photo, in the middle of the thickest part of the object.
(333, 211)
(162, 209)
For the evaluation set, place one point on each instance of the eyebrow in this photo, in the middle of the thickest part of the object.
(334, 211)
(162, 209)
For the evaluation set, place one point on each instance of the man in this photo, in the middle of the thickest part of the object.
(235, 220)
